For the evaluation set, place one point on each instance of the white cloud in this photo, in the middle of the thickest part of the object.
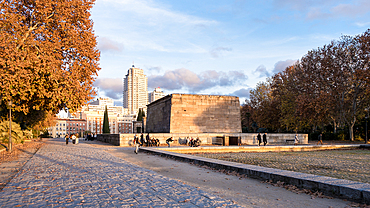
(282, 65)
(219, 51)
(362, 24)
(262, 71)
(318, 9)
(185, 79)
(242, 93)
(146, 25)
(108, 45)
(111, 87)
(352, 10)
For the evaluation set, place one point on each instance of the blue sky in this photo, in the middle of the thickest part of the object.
(214, 47)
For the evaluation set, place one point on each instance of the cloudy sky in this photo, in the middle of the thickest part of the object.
(220, 47)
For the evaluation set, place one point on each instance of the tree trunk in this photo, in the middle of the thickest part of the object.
(351, 134)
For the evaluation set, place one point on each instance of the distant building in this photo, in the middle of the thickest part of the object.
(135, 90)
(99, 105)
(155, 95)
(119, 121)
(68, 126)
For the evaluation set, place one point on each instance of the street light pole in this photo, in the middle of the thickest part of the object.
(10, 127)
(366, 116)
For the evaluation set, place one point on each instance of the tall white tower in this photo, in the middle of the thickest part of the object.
(135, 90)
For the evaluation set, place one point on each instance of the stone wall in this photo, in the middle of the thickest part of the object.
(188, 113)
(159, 115)
(206, 138)
(110, 138)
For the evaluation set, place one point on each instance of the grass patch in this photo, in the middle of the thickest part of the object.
(350, 164)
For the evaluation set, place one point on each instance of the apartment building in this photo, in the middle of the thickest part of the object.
(135, 90)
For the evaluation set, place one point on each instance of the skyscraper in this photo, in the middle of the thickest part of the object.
(135, 90)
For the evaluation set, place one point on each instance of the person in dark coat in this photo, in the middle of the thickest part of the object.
(259, 139)
(168, 141)
(67, 139)
(147, 140)
(264, 137)
(141, 139)
(319, 140)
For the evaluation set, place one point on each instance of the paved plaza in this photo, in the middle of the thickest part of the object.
(60, 175)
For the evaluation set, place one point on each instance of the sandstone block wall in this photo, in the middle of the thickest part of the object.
(159, 115)
(186, 113)
(206, 138)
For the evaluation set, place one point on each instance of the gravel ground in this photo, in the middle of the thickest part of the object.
(343, 164)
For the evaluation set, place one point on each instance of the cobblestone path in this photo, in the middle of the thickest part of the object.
(60, 175)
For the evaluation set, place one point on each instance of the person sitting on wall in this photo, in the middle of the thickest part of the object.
(191, 143)
(157, 143)
(197, 142)
(168, 141)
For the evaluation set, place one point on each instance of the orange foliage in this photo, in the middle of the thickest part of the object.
(48, 54)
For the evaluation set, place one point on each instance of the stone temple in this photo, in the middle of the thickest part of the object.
(190, 113)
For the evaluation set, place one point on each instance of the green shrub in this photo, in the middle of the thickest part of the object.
(17, 133)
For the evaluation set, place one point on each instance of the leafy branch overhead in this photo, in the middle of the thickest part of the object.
(48, 57)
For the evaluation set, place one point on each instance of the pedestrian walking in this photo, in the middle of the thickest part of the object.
(296, 140)
(136, 143)
(264, 137)
(168, 141)
(67, 139)
(147, 140)
(320, 140)
(141, 139)
(73, 139)
(259, 139)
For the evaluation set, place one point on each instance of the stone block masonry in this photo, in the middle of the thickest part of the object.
(188, 113)
(206, 138)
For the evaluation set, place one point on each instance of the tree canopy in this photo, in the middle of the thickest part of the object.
(328, 85)
(48, 56)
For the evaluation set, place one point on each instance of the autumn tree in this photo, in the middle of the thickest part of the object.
(48, 56)
(264, 108)
(328, 85)
(48, 119)
(286, 93)
(352, 66)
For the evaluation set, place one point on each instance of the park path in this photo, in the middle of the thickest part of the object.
(60, 175)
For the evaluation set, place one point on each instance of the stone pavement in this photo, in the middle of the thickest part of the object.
(83, 176)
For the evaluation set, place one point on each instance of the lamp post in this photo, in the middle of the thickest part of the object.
(10, 127)
(366, 116)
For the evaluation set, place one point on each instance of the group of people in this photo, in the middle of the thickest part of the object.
(90, 137)
(263, 139)
(193, 142)
(72, 137)
(196, 142)
(147, 141)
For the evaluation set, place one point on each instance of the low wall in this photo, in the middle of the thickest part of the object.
(110, 138)
(352, 190)
(206, 138)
